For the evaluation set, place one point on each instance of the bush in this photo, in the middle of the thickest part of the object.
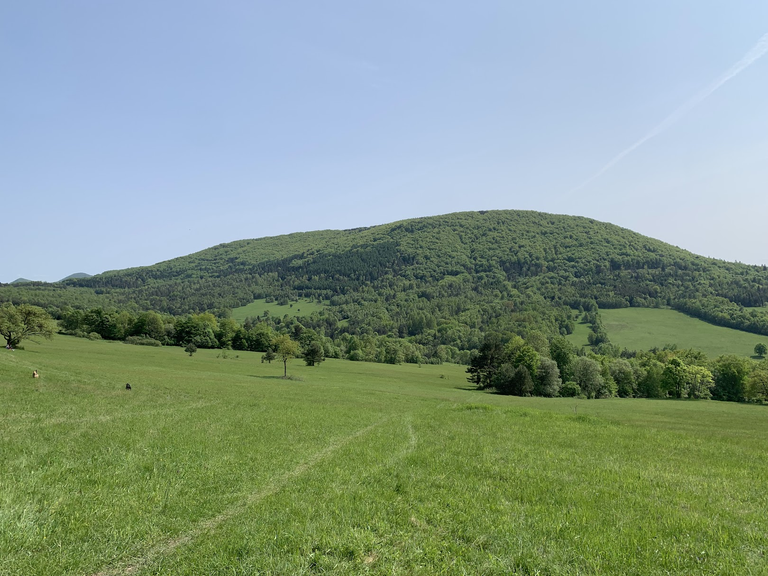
(142, 341)
(355, 356)
(77, 333)
(570, 390)
(268, 356)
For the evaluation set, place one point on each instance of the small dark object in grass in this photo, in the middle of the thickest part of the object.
(127, 386)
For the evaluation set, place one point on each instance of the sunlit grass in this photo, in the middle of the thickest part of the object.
(219, 466)
(646, 328)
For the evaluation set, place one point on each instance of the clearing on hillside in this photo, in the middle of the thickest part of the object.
(646, 328)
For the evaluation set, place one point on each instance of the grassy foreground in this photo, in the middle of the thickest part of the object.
(218, 466)
(646, 328)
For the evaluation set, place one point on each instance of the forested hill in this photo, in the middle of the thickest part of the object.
(466, 271)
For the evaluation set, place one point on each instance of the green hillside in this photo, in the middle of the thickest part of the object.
(76, 276)
(443, 280)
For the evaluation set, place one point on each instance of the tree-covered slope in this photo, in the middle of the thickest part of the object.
(76, 275)
(459, 273)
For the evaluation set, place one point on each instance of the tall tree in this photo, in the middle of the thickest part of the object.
(286, 349)
(484, 364)
(24, 321)
(757, 383)
(700, 382)
(547, 379)
(586, 373)
(528, 358)
(675, 378)
(522, 383)
(624, 376)
(649, 382)
(561, 351)
(503, 379)
(730, 373)
(314, 353)
(225, 332)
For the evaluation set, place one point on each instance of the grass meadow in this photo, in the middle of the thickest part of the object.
(258, 307)
(646, 328)
(214, 465)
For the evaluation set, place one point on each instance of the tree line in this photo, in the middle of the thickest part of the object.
(255, 334)
(508, 364)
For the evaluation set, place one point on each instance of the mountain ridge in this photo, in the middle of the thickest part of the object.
(453, 266)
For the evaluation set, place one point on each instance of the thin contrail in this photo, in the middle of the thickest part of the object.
(759, 50)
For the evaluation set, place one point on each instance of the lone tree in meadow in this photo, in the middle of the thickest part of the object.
(21, 322)
(314, 353)
(761, 349)
(190, 349)
(286, 349)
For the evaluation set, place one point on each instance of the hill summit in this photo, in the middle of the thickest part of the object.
(452, 276)
(76, 276)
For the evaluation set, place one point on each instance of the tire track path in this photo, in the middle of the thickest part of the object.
(132, 566)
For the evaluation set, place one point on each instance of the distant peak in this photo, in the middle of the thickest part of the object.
(76, 275)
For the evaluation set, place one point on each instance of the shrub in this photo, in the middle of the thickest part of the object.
(142, 341)
(355, 356)
(570, 390)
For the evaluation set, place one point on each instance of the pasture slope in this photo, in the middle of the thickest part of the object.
(646, 328)
(214, 465)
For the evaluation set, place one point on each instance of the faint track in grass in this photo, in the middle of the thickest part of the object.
(133, 565)
(409, 447)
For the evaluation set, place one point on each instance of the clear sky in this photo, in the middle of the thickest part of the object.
(136, 131)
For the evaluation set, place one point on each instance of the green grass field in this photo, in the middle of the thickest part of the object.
(219, 466)
(646, 328)
(258, 307)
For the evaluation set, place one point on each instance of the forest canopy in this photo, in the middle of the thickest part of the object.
(441, 283)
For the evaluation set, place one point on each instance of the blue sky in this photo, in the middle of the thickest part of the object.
(135, 132)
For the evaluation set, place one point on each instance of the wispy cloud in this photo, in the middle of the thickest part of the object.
(759, 50)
